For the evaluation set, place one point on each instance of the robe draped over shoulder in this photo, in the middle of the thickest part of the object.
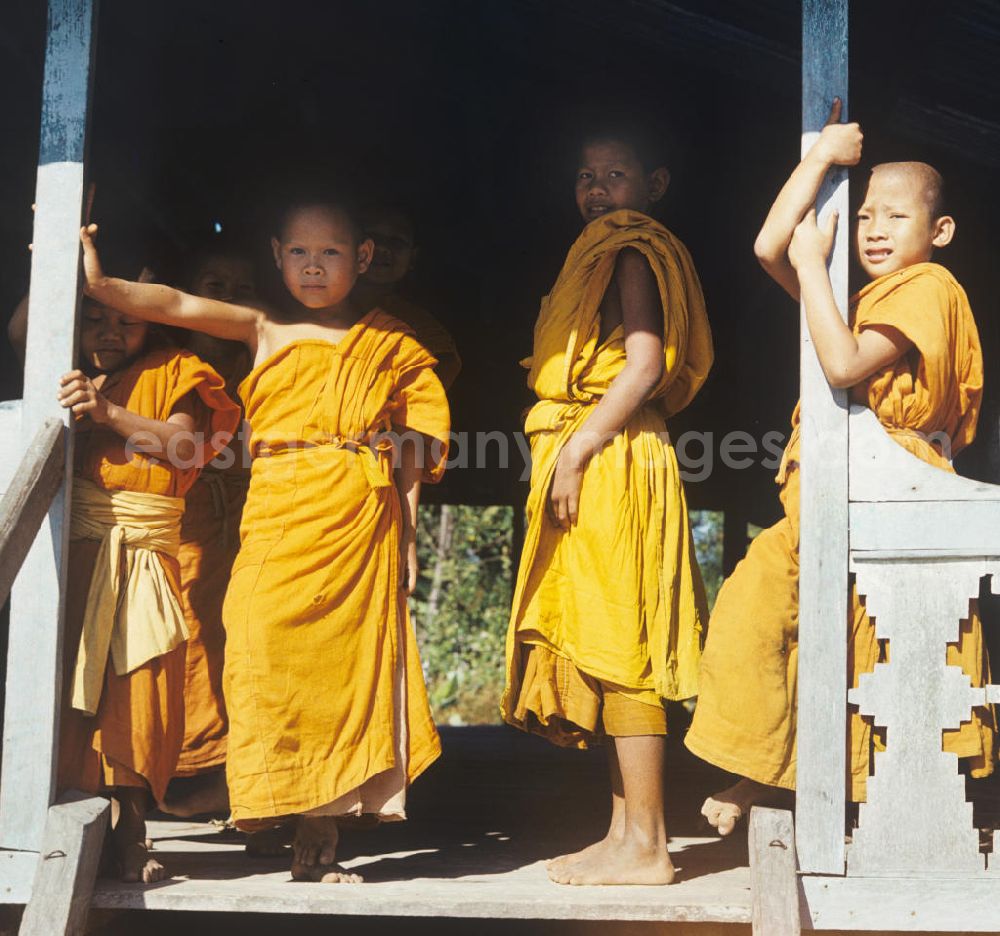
(931, 396)
(136, 734)
(327, 705)
(928, 401)
(435, 338)
(619, 594)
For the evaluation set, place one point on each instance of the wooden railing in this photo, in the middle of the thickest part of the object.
(27, 501)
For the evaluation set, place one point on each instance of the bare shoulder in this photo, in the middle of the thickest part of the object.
(269, 325)
(632, 267)
(638, 291)
(272, 332)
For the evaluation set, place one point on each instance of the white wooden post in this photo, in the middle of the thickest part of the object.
(774, 883)
(67, 867)
(31, 724)
(823, 545)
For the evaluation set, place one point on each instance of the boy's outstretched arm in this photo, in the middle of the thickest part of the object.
(634, 289)
(157, 303)
(846, 358)
(838, 145)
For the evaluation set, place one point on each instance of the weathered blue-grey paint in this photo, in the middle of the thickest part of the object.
(822, 688)
(31, 723)
(66, 92)
(824, 60)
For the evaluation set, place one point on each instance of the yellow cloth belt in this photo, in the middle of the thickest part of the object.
(376, 461)
(131, 608)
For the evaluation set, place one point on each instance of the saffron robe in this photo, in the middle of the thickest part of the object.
(619, 594)
(745, 721)
(435, 338)
(210, 539)
(327, 705)
(136, 734)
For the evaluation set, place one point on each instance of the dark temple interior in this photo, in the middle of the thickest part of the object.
(459, 112)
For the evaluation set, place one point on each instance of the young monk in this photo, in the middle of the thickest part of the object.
(911, 353)
(327, 706)
(609, 605)
(123, 712)
(395, 253)
(210, 539)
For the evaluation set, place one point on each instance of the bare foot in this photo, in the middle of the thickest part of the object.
(129, 839)
(334, 874)
(314, 852)
(137, 867)
(614, 837)
(616, 828)
(559, 865)
(621, 860)
(269, 843)
(724, 810)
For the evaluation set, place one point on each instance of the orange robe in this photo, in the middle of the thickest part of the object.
(427, 329)
(136, 734)
(327, 705)
(745, 721)
(619, 595)
(210, 539)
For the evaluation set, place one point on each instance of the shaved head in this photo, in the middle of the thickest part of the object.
(337, 209)
(924, 178)
(902, 219)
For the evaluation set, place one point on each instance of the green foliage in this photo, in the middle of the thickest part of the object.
(707, 527)
(462, 603)
(461, 608)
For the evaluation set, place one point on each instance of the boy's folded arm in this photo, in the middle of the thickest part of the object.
(875, 350)
(838, 145)
(879, 346)
(847, 359)
(796, 197)
(172, 437)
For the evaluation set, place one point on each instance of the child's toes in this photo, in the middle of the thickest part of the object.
(327, 855)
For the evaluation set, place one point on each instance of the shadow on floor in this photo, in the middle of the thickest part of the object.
(499, 800)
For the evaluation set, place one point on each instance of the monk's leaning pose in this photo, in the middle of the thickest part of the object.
(609, 605)
(911, 353)
(396, 250)
(123, 709)
(328, 713)
(210, 539)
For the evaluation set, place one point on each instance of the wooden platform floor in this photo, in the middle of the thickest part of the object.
(482, 822)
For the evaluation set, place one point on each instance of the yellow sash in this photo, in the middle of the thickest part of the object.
(131, 608)
(376, 461)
